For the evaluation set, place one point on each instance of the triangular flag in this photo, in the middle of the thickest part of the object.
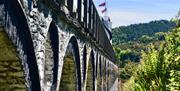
(104, 10)
(102, 4)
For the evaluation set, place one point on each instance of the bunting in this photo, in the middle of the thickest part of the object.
(104, 10)
(102, 4)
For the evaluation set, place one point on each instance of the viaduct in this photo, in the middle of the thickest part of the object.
(59, 45)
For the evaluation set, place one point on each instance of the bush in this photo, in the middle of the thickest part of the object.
(159, 69)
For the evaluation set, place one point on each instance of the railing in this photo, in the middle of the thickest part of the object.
(85, 15)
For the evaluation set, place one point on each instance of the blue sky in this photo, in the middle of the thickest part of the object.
(126, 12)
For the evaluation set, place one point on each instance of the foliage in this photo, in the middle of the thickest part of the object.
(128, 41)
(125, 55)
(128, 70)
(159, 69)
(124, 34)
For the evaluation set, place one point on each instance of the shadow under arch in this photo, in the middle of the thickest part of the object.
(52, 55)
(96, 67)
(84, 62)
(17, 22)
(71, 74)
(90, 85)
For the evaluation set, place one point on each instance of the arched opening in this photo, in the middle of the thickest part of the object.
(18, 31)
(71, 76)
(90, 85)
(51, 56)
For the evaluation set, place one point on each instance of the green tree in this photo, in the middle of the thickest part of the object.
(159, 69)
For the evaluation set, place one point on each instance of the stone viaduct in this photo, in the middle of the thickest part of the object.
(61, 45)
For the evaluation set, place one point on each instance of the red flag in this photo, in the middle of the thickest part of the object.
(102, 4)
(104, 10)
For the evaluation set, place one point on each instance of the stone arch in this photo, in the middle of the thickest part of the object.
(51, 56)
(71, 74)
(18, 30)
(90, 85)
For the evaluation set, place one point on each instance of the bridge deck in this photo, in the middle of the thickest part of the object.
(45, 33)
(86, 19)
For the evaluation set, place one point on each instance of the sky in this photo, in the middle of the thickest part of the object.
(126, 12)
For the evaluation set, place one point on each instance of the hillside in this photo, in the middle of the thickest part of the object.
(129, 41)
(158, 67)
(136, 32)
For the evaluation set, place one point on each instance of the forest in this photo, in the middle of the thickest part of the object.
(148, 55)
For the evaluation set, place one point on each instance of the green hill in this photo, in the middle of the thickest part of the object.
(136, 32)
(159, 65)
(129, 41)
